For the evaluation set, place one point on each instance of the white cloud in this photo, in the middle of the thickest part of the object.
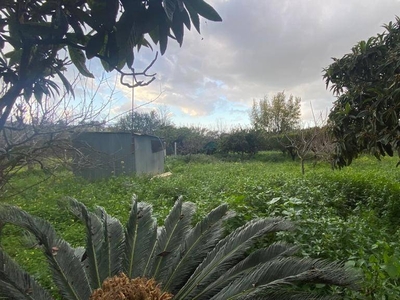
(260, 48)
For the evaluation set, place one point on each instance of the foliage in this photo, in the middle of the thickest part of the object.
(40, 135)
(279, 115)
(189, 262)
(365, 115)
(37, 32)
(187, 140)
(145, 123)
(350, 215)
(240, 141)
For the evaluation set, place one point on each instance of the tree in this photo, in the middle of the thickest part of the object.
(186, 140)
(366, 113)
(278, 115)
(240, 141)
(35, 33)
(40, 134)
(145, 123)
(175, 260)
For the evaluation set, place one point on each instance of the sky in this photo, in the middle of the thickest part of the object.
(261, 47)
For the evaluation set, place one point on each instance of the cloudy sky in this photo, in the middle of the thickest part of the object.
(260, 48)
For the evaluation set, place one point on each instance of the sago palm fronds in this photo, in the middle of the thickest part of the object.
(176, 261)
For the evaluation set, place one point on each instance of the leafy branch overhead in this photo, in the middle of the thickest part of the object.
(185, 261)
(366, 113)
(32, 34)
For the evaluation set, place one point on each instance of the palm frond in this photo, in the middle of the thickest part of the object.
(140, 239)
(176, 227)
(112, 250)
(228, 252)
(247, 265)
(66, 268)
(200, 240)
(94, 240)
(274, 275)
(16, 284)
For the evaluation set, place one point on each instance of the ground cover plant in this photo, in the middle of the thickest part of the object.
(348, 215)
(143, 261)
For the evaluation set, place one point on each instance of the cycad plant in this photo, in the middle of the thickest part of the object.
(176, 261)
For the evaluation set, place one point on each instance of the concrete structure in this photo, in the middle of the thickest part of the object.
(103, 154)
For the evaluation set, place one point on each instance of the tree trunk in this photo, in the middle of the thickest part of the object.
(7, 102)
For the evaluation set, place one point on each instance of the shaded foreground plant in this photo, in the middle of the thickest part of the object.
(180, 261)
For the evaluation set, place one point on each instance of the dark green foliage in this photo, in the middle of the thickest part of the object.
(192, 262)
(110, 30)
(240, 141)
(366, 113)
(144, 123)
(349, 215)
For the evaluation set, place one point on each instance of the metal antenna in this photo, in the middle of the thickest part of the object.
(132, 101)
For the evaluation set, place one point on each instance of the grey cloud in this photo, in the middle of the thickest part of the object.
(263, 47)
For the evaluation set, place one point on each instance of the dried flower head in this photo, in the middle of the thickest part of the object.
(120, 287)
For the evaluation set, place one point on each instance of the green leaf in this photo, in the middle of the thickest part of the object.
(249, 264)
(193, 15)
(94, 240)
(65, 82)
(66, 268)
(176, 226)
(112, 249)
(177, 25)
(38, 91)
(169, 8)
(140, 239)
(194, 248)
(227, 253)
(205, 10)
(78, 59)
(163, 35)
(271, 277)
(94, 45)
(18, 283)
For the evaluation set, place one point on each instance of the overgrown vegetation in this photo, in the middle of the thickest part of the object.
(350, 215)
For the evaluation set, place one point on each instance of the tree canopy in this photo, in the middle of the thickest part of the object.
(278, 115)
(33, 33)
(365, 115)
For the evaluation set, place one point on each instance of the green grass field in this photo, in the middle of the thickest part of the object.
(350, 214)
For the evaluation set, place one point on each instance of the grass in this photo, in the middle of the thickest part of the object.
(349, 214)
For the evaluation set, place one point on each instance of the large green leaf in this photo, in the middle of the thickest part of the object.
(193, 15)
(66, 268)
(65, 82)
(227, 253)
(15, 283)
(169, 8)
(250, 263)
(112, 249)
(177, 26)
(176, 226)
(194, 248)
(95, 44)
(140, 240)
(94, 241)
(276, 275)
(204, 9)
(78, 59)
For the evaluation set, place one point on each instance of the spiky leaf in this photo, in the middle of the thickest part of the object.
(229, 252)
(176, 226)
(200, 240)
(15, 283)
(65, 266)
(140, 240)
